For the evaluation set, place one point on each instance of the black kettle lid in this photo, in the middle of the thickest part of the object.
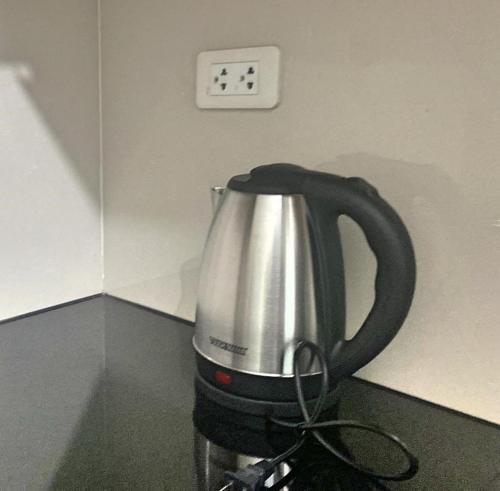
(271, 179)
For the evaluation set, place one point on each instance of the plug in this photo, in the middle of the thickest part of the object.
(250, 478)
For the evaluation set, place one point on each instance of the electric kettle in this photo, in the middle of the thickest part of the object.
(272, 274)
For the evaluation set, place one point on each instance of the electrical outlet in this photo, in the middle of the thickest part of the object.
(244, 78)
(234, 78)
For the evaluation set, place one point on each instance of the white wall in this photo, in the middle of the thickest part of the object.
(49, 154)
(406, 94)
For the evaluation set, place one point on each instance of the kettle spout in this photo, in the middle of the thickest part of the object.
(216, 196)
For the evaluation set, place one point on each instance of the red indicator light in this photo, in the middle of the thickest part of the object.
(222, 377)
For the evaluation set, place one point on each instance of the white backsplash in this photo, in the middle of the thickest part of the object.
(50, 213)
(406, 95)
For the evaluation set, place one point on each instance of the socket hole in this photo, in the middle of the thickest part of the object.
(250, 71)
(242, 78)
(216, 79)
(249, 85)
(223, 72)
(223, 86)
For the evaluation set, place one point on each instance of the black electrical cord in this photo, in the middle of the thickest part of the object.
(254, 476)
(309, 425)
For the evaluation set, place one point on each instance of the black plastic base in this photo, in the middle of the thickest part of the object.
(258, 407)
(239, 432)
(261, 387)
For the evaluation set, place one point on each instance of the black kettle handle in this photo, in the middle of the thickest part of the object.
(395, 280)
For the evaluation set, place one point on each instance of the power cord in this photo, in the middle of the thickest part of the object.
(253, 477)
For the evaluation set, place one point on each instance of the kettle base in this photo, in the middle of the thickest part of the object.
(257, 386)
(258, 407)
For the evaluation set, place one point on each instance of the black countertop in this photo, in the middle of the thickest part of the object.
(99, 395)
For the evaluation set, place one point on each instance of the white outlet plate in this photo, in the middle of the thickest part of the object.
(245, 78)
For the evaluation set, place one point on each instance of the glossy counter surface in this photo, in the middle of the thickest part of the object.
(99, 395)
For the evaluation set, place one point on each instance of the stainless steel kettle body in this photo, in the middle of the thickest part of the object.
(256, 293)
(272, 274)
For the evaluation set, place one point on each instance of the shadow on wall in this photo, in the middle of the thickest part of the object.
(432, 205)
(190, 272)
(179, 288)
(435, 211)
(50, 191)
(30, 114)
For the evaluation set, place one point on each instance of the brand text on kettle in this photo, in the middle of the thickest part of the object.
(233, 348)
